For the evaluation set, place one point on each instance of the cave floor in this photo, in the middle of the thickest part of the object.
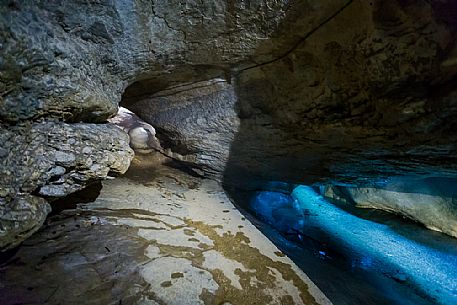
(154, 236)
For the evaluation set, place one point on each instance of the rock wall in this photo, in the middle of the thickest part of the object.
(367, 95)
(196, 123)
(356, 105)
(52, 159)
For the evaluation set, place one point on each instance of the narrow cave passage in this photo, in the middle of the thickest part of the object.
(267, 152)
(164, 232)
(154, 235)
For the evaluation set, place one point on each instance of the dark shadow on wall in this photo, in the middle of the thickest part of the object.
(331, 111)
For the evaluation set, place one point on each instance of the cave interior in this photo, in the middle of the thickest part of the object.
(228, 152)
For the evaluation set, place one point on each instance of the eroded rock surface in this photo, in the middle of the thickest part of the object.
(52, 159)
(198, 121)
(141, 134)
(367, 95)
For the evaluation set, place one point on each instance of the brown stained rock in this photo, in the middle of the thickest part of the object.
(236, 247)
(177, 275)
(166, 284)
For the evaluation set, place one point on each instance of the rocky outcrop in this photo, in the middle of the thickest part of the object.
(52, 159)
(20, 218)
(420, 200)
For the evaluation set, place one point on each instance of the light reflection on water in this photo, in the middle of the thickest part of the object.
(280, 210)
(286, 215)
(336, 235)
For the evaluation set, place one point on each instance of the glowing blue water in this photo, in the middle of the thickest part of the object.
(279, 210)
(374, 245)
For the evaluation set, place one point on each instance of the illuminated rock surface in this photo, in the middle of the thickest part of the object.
(141, 134)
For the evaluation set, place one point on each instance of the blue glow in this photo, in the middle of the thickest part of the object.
(279, 210)
(364, 262)
(377, 246)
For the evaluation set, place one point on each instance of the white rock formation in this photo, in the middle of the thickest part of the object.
(142, 134)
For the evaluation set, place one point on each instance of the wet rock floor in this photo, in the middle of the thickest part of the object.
(153, 236)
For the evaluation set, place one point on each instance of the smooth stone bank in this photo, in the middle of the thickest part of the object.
(153, 236)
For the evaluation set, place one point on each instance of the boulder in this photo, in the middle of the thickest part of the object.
(20, 218)
(52, 159)
(425, 201)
